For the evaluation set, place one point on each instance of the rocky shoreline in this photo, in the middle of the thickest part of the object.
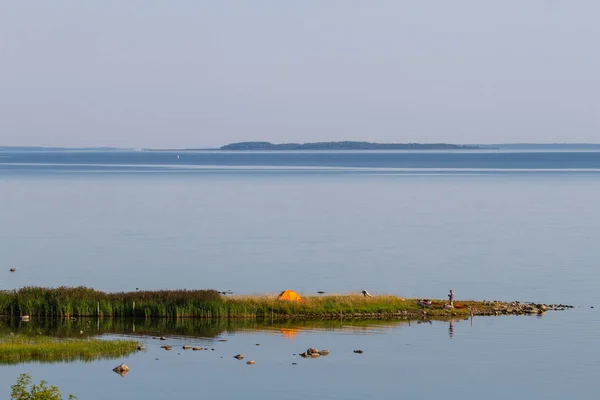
(483, 308)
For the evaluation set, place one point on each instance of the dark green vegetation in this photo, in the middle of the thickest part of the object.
(21, 390)
(346, 145)
(64, 302)
(22, 348)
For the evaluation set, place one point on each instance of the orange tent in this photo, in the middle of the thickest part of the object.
(289, 295)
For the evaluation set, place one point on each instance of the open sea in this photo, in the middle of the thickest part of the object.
(490, 224)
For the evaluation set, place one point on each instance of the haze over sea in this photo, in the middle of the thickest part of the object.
(490, 224)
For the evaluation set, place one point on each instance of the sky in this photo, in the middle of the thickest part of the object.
(194, 73)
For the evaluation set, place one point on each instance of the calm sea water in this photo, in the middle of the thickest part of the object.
(490, 225)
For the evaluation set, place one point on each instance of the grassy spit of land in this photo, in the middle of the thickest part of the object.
(22, 348)
(65, 302)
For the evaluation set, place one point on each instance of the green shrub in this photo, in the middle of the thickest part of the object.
(41, 391)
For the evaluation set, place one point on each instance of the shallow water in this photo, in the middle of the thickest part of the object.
(523, 357)
(490, 225)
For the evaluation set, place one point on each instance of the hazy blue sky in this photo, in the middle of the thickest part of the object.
(204, 73)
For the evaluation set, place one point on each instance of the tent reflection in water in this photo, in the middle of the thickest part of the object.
(289, 295)
(289, 333)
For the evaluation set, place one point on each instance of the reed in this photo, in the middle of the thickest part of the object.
(65, 302)
(22, 348)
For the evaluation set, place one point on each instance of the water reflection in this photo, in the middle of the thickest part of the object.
(198, 328)
(203, 328)
(122, 373)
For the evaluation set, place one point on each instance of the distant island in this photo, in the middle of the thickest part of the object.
(345, 145)
(541, 146)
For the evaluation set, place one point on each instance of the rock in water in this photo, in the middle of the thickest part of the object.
(239, 356)
(251, 362)
(121, 369)
(312, 351)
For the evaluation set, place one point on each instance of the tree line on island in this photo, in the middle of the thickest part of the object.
(345, 145)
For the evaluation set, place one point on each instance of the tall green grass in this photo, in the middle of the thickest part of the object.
(64, 302)
(22, 348)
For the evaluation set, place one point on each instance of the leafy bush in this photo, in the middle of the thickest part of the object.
(21, 390)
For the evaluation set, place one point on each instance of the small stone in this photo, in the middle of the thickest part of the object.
(359, 351)
(141, 348)
(251, 362)
(258, 344)
(163, 338)
(187, 347)
(324, 352)
(311, 351)
(121, 368)
(294, 363)
(315, 355)
(197, 348)
(239, 356)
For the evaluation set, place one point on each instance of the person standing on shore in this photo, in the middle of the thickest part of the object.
(451, 298)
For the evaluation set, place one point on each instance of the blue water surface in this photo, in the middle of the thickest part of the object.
(489, 224)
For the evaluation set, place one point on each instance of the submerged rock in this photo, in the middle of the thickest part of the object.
(324, 352)
(359, 351)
